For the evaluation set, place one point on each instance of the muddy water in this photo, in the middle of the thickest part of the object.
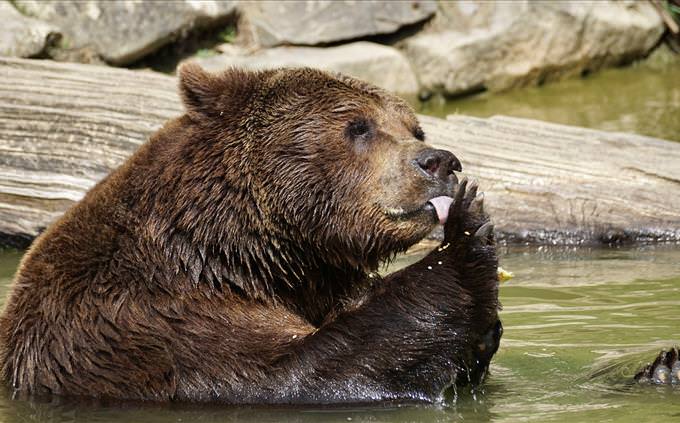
(578, 324)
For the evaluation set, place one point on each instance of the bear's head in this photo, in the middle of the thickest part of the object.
(332, 166)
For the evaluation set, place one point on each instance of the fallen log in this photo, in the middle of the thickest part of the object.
(64, 126)
(555, 184)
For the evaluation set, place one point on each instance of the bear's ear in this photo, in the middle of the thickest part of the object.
(212, 95)
(199, 89)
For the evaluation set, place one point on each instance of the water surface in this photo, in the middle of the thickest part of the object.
(578, 324)
(643, 98)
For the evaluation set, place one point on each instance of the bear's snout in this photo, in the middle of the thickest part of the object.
(438, 164)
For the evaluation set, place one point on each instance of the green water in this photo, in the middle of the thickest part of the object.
(578, 324)
(643, 98)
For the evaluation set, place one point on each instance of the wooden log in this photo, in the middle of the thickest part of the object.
(64, 126)
(558, 184)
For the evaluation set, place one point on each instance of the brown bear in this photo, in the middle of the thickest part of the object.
(232, 258)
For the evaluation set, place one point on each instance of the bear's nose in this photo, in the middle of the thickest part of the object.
(438, 163)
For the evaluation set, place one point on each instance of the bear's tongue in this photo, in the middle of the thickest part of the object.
(441, 206)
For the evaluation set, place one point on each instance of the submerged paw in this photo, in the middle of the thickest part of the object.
(665, 370)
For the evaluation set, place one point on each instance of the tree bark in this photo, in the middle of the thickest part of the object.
(63, 127)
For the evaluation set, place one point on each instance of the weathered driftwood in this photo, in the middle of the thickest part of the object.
(552, 183)
(64, 126)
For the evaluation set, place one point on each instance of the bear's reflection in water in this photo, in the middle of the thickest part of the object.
(60, 409)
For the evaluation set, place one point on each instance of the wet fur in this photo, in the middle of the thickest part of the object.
(664, 370)
(231, 259)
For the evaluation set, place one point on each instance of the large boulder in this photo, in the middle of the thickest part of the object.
(474, 46)
(124, 31)
(21, 36)
(272, 23)
(375, 63)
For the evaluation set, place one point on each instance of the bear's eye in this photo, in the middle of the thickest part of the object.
(419, 134)
(359, 129)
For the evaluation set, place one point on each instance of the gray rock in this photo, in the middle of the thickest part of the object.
(523, 43)
(381, 65)
(124, 31)
(21, 36)
(272, 23)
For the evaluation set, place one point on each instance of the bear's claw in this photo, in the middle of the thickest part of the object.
(458, 208)
(472, 190)
(483, 233)
(467, 219)
(477, 205)
(665, 370)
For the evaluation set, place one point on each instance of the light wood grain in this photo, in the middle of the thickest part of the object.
(552, 183)
(64, 126)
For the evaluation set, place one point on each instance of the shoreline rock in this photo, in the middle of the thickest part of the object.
(61, 131)
(381, 65)
(22, 36)
(427, 46)
(122, 32)
(308, 23)
(528, 42)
